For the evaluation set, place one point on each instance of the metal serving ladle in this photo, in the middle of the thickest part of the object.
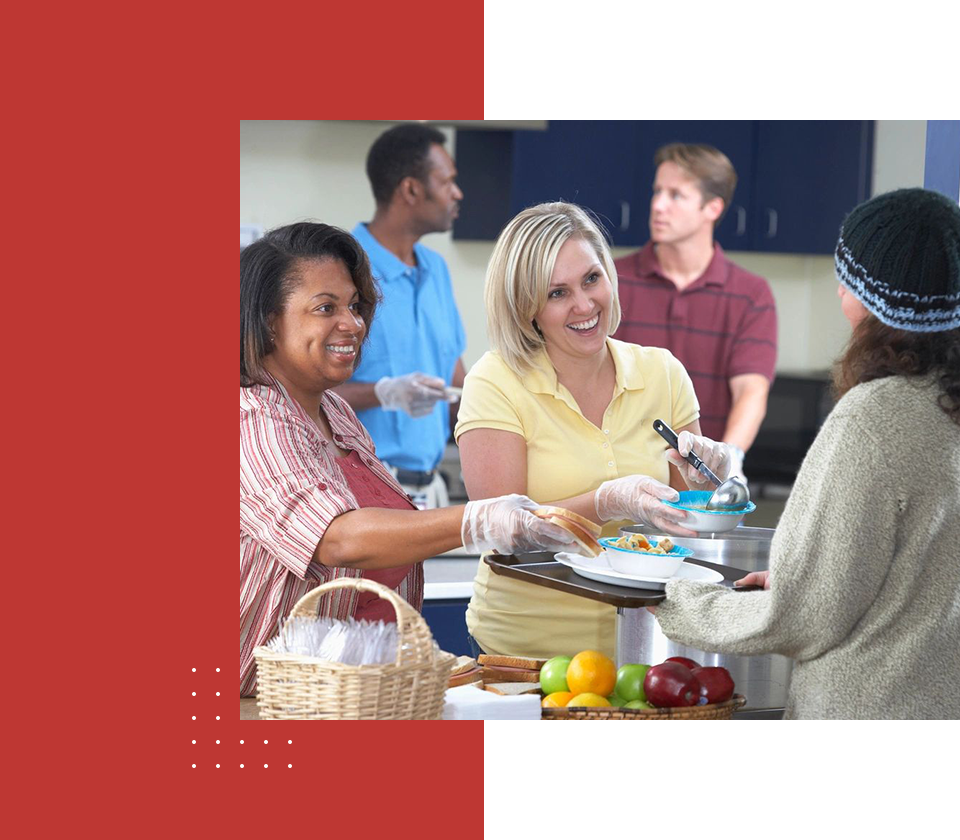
(729, 495)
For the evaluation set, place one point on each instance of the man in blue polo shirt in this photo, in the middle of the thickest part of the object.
(400, 388)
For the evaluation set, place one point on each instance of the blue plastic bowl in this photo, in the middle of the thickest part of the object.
(707, 521)
(632, 562)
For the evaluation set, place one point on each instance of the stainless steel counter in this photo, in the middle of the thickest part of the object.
(763, 680)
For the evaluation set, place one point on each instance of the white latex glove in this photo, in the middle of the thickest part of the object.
(722, 458)
(736, 455)
(505, 525)
(637, 499)
(415, 393)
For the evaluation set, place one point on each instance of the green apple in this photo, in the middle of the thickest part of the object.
(553, 675)
(630, 682)
(639, 704)
(616, 700)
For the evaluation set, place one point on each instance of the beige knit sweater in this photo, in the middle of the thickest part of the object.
(864, 567)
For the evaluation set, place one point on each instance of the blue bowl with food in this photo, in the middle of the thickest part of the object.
(635, 554)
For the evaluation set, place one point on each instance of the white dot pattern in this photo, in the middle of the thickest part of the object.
(194, 717)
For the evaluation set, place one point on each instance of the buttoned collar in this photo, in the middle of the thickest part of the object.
(542, 377)
(388, 266)
(716, 274)
(276, 393)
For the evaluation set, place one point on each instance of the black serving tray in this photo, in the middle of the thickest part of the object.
(541, 569)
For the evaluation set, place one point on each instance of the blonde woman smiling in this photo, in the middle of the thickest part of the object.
(559, 411)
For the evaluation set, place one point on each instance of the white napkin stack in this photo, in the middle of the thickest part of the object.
(467, 702)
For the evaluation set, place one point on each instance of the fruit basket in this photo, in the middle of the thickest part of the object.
(712, 711)
(294, 687)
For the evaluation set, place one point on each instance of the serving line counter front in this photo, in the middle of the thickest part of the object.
(763, 680)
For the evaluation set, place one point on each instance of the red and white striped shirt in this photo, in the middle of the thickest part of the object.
(291, 489)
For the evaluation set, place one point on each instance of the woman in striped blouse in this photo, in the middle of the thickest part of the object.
(315, 502)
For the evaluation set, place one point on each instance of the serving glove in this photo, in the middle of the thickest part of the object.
(415, 393)
(725, 460)
(506, 525)
(637, 498)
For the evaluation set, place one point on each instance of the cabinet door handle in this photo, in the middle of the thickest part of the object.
(624, 215)
(741, 221)
(771, 223)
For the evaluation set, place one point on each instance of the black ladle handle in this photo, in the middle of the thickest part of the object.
(670, 436)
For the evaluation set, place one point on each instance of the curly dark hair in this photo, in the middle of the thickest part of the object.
(270, 271)
(876, 350)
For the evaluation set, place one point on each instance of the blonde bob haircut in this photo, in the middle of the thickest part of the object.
(519, 272)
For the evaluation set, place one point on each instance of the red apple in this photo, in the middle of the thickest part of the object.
(689, 663)
(671, 684)
(716, 684)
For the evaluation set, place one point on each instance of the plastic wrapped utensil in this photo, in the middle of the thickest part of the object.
(350, 642)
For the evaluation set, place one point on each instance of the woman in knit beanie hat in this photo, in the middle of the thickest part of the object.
(864, 579)
(898, 260)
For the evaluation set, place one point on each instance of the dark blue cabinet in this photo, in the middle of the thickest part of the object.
(591, 163)
(809, 175)
(446, 618)
(796, 179)
(485, 174)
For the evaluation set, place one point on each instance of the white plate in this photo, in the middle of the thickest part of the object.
(598, 569)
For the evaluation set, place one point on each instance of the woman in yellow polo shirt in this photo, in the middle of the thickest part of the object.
(563, 413)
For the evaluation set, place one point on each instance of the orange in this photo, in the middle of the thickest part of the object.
(556, 700)
(591, 672)
(588, 699)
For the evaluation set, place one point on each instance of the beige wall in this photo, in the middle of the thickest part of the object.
(297, 170)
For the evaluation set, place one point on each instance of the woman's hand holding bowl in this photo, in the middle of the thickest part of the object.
(637, 498)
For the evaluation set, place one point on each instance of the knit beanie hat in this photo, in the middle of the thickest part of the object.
(899, 255)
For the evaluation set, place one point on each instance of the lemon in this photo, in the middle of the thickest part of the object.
(588, 698)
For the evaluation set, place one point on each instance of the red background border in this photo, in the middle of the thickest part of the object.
(119, 457)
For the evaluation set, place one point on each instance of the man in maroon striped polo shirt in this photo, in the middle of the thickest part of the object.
(681, 292)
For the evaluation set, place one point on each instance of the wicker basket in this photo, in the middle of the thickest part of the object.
(713, 711)
(293, 687)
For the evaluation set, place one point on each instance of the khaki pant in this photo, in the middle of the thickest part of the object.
(432, 495)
